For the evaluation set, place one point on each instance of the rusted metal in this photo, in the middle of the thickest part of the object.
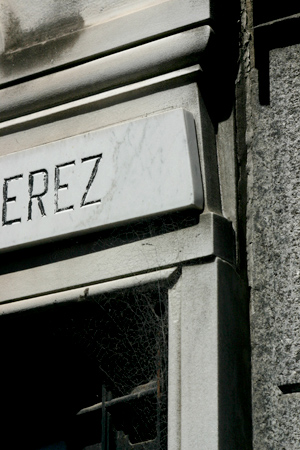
(149, 389)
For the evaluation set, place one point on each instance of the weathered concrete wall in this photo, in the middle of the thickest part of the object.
(28, 23)
(273, 136)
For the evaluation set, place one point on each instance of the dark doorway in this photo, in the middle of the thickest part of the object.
(87, 376)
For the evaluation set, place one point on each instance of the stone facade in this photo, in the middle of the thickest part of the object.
(219, 271)
(273, 234)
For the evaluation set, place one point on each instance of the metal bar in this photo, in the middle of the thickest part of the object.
(126, 398)
(103, 434)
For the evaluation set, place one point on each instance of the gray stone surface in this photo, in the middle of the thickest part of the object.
(273, 250)
(214, 391)
(37, 36)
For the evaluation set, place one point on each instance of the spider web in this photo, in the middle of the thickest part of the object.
(62, 360)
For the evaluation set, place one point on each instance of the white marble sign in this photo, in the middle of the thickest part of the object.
(99, 179)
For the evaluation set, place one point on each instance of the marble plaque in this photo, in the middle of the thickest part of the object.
(100, 179)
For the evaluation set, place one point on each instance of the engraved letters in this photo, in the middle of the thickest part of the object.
(35, 195)
(7, 199)
(103, 178)
(58, 186)
(92, 178)
(40, 187)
